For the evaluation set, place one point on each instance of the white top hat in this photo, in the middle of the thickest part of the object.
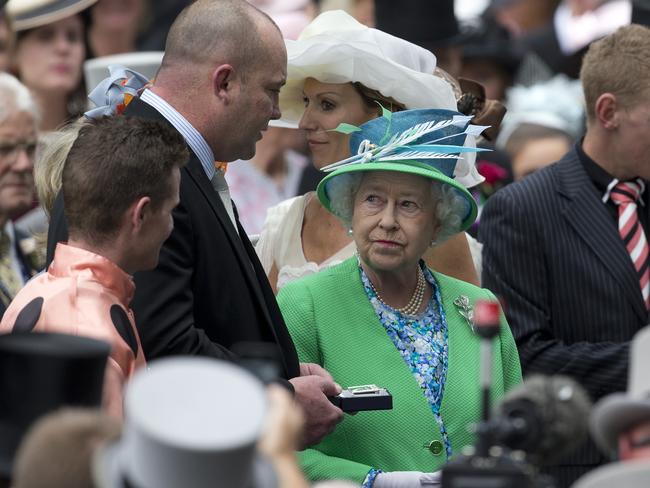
(27, 14)
(618, 412)
(335, 48)
(188, 422)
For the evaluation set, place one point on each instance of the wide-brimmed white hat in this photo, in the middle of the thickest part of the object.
(28, 14)
(188, 422)
(335, 48)
(618, 412)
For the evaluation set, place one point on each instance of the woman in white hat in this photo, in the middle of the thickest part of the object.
(49, 53)
(340, 71)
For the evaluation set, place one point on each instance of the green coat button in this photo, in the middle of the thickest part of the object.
(436, 448)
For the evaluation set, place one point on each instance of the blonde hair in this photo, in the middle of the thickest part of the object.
(617, 64)
(48, 169)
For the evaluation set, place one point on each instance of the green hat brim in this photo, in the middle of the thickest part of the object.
(409, 167)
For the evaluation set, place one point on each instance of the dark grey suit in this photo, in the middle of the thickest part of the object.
(570, 290)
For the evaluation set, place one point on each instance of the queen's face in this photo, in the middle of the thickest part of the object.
(393, 220)
(49, 58)
(326, 106)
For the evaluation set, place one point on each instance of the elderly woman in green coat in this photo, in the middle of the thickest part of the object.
(382, 317)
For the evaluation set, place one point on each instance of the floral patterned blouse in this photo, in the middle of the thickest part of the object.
(422, 342)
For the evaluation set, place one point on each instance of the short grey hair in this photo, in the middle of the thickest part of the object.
(15, 97)
(451, 207)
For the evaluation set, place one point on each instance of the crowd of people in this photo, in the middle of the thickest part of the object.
(306, 202)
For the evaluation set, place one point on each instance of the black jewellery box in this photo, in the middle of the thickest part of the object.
(363, 397)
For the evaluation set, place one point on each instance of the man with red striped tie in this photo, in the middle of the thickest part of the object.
(567, 247)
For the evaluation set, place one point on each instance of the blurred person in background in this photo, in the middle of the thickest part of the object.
(340, 72)
(543, 122)
(48, 56)
(19, 119)
(490, 57)
(362, 10)
(115, 26)
(521, 17)
(431, 25)
(152, 38)
(557, 33)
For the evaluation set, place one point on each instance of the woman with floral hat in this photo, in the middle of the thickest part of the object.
(341, 71)
(384, 317)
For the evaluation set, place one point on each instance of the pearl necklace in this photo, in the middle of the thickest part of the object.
(414, 304)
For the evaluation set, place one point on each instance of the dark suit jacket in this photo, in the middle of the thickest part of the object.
(26, 269)
(209, 291)
(570, 290)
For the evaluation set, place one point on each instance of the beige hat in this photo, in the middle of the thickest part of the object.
(27, 14)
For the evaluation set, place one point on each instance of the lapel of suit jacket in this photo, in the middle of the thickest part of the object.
(586, 213)
(197, 174)
(195, 171)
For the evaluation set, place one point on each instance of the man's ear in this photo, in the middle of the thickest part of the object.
(606, 111)
(138, 211)
(223, 78)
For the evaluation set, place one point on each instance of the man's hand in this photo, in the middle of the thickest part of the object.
(313, 369)
(312, 390)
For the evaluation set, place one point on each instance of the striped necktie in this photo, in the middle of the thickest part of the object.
(625, 194)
